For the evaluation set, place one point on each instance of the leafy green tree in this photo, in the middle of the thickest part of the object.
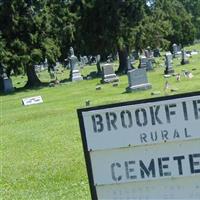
(19, 28)
(153, 30)
(193, 7)
(33, 31)
(62, 22)
(109, 26)
(2, 49)
(183, 31)
(120, 26)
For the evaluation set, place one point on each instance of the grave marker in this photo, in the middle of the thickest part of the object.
(108, 74)
(137, 79)
(146, 63)
(75, 74)
(168, 64)
(184, 58)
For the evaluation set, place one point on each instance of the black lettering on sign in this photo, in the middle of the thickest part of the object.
(113, 171)
(163, 166)
(186, 133)
(164, 134)
(185, 113)
(126, 123)
(194, 165)
(143, 138)
(179, 162)
(143, 121)
(168, 112)
(97, 122)
(154, 136)
(128, 169)
(154, 115)
(196, 109)
(111, 119)
(176, 134)
(148, 171)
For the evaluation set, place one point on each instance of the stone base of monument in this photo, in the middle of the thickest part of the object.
(177, 54)
(110, 78)
(75, 75)
(144, 86)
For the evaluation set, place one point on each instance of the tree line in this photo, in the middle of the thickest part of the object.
(32, 30)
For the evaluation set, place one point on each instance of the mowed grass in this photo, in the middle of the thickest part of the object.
(41, 149)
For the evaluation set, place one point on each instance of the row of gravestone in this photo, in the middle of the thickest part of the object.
(168, 61)
(137, 78)
(108, 73)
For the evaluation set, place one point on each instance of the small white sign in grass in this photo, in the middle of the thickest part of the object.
(32, 100)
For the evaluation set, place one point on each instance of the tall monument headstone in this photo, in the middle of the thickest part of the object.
(184, 58)
(75, 74)
(168, 64)
(175, 49)
(98, 59)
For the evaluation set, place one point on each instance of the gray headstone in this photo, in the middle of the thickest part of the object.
(137, 80)
(179, 47)
(85, 59)
(143, 62)
(184, 58)
(135, 55)
(148, 53)
(130, 64)
(98, 59)
(149, 66)
(7, 85)
(73, 60)
(168, 64)
(108, 74)
(132, 59)
(175, 49)
(146, 63)
(75, 74)
(156, 53)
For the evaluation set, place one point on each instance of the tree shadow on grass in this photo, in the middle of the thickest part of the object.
(66, 80)
(25, 89)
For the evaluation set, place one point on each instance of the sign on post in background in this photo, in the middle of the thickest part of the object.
(144, 149)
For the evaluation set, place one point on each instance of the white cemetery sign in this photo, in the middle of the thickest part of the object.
(145, 149)
(32, 100)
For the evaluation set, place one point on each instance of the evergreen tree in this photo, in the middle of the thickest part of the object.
(153, 30)
(193, 7)
(108, 26)
(62, 22)
(32, 33)
(183, 31)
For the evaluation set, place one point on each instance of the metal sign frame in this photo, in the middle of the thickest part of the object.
(128, 103)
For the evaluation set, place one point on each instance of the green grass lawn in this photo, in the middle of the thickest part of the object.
(41, 149)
